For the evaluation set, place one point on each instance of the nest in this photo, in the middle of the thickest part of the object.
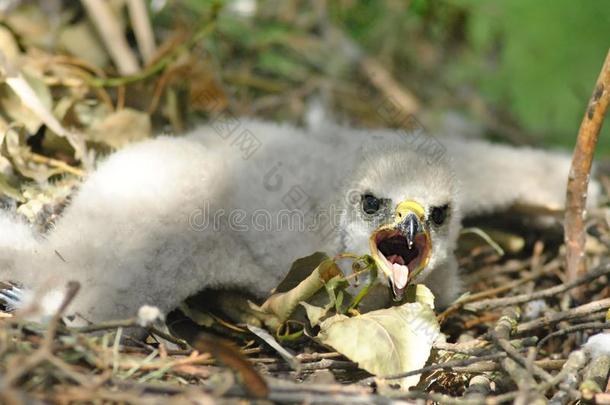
(517, 336)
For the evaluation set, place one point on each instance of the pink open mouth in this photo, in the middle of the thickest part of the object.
(400, 260)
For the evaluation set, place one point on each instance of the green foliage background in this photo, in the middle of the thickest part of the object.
(533, 61)
(549, 54)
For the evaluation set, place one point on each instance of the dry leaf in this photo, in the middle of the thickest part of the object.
(283, 304)
(8, 45)
(13, 103)
(80, 40)
(315, 313)
(121, 128)
(385, 342)
(32, 26)
(225, 352)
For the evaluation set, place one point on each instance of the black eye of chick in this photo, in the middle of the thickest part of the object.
(370, 204)
(439, 214)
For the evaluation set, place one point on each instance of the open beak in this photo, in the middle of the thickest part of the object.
(402, 249)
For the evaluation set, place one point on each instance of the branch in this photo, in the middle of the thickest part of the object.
(112, 34)
(580, 171)
(138, 14)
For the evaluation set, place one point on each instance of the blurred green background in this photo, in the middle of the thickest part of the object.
(522, 70)
(519, 71)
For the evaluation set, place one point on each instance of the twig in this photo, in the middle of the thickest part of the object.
(550, 319)
(602, 270)
(485, 237)
(494, 291)
(573, 328)
(595, 377)
(478, 386)
(477, 347)
(447, 365)
(570, 378)
(112, 34)
(155, 67)
(308, 357)
(270, 340)
(123, 323)
(379, 76)
(489, 366)
(603, 398)
(328, 364)
(500, 336)
(140, 22)
(59, 164)
(44, 352)
(580, 171)
(383, 80)
(179, 342)
(514, 365)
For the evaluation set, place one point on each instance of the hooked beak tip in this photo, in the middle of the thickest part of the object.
(409, 227)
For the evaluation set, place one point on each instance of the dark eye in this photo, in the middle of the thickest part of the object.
(439, 214)
(370, 204)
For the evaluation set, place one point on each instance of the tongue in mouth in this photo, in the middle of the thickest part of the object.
(400, 271)
(400, 259)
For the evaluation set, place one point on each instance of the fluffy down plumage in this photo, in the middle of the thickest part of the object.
(161, 220)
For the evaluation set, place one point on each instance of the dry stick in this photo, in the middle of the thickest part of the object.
(379, 76)
(490, 400)
(494, 291)
(478, 386)
(595, 377)
(140, 21)
(601, 270)
(123, 323)
(59, 164)
(157, 66)
(572, 367)
(459, 363)
(573, 328)
(110, 31)
(478, 347)
(44, 352)
(567, 384)
(447, 365)
(580, 171)
(170, 338)
(383, 80)
(515, 365)
(488, 366)
(603, 398)
(550, 319)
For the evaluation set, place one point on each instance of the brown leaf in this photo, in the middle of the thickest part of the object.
(229, 355)
(80, 40)
(121, 128)
(283, 304)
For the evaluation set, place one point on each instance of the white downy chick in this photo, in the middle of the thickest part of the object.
(232, 206)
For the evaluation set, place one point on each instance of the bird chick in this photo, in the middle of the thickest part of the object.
(232, 207)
